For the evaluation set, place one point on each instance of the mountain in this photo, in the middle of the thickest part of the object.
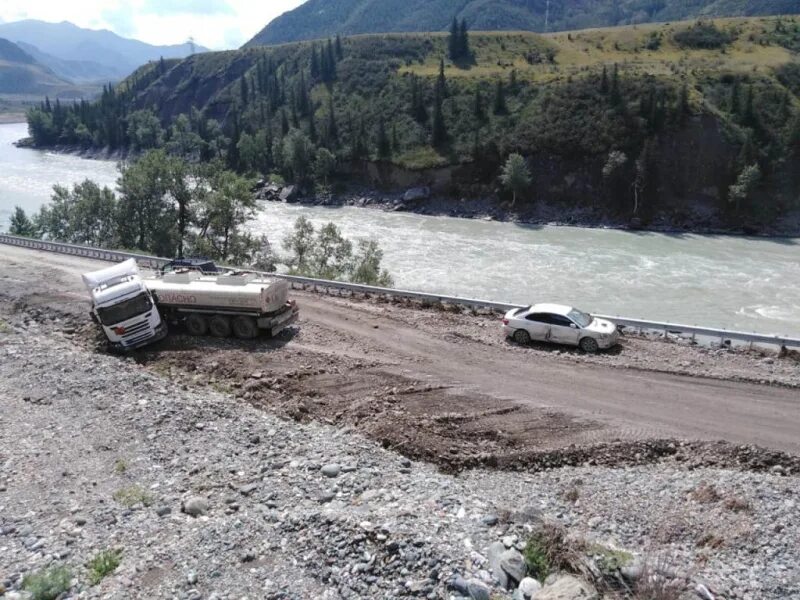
(86, 54)
(323, 18)
(78, 71)
(20, 73)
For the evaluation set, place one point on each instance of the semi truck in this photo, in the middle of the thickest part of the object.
(240, 304)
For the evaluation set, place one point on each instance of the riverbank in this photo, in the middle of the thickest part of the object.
(422, 201)
(89, 152)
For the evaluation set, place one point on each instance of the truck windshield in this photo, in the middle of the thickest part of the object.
(111, 315)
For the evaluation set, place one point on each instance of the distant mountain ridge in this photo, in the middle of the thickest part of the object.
(20, 73)
(323, 18)
(87, 55)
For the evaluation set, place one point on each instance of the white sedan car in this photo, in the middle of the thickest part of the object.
(560, 325)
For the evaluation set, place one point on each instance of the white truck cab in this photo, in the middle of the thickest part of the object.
(123, 306)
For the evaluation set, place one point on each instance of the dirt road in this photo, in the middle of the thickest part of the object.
(446, 387)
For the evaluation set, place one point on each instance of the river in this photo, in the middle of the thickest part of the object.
(751, 284)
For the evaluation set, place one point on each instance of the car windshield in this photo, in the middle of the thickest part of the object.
(111, 315)
(581, 318)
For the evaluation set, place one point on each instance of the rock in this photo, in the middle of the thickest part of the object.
(289, 193)
(191, 578)
(512, 562)
(567, 587)
(248, 489)
(331, 470)
(494, 555)
(489, 520)
(477, 590)
(529, 586)
(163, 511)
(459, 584)
(632, 572)
(414, 194)
(703, 592)
(195, 506)
(326, 497)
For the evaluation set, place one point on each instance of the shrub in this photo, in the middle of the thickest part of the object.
(104, 563)
(547, 551)
(47, 584)
(132, 495)
(703, 36)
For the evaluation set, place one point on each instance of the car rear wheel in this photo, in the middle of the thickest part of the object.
(245, 328)
(220, 326)
(589, 345)
(522, 337)
(196, 324)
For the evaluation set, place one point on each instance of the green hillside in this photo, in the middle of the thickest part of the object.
(322, 18)
(630, 121)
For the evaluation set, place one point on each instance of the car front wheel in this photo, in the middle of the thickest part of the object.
(522, 337)
(589, 345)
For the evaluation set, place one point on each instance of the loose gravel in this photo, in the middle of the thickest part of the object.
(207, 496)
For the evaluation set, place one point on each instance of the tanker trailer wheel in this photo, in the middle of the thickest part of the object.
(220, 326)
(196, 324)
(245, 328)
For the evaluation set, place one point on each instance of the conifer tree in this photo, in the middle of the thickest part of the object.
(439, 129)
(315, 68)
(453, 41)
(333, 129)
(441, 82)
(383, 144)
(479, 110)
(500, 107)
(339, 50)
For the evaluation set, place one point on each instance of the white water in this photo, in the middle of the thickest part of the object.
(714, 281)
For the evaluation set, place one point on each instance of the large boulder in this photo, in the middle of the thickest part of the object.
(415, 194)
(567, 587)
(513, 563)
(290, 193)
(495, 556)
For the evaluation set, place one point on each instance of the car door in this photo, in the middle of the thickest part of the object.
(538, 326)
(563, 330)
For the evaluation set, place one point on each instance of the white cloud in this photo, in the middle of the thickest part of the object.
(216, 24)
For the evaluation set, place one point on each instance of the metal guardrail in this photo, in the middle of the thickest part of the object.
(155, 262)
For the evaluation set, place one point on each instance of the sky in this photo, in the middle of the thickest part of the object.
(216, 24)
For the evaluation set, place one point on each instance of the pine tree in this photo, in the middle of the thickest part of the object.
(395, 137)
(464, 51)
(418, 111)
(439, 130)
(604, 81)
(453, 44)
(333, 129)
(315, 69)
(735, 98)
(500, 107)
(284, 123)
(245, 94)
(616, 96)
(312, 129)
(330, 60)
(441, 82)
(383, 144)
(749, 117)
(479, 110)
(303, 102)
(684, 110)
(339, 50)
